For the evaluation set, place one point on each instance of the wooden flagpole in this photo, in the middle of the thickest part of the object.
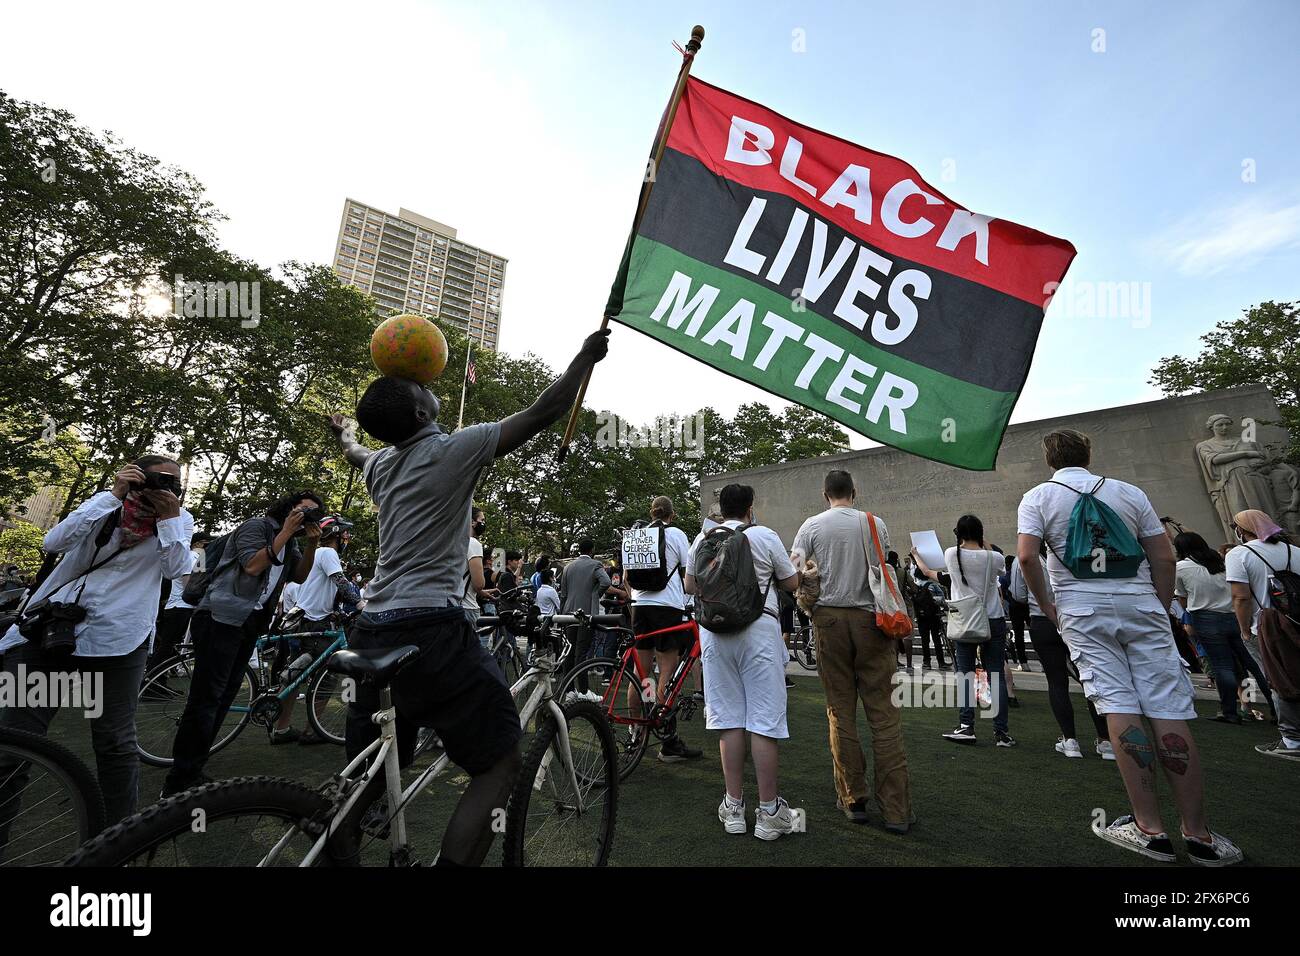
(661, 141)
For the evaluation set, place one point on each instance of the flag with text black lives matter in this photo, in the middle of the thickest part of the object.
(835, 277)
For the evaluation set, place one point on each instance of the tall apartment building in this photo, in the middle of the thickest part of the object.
(413, 264)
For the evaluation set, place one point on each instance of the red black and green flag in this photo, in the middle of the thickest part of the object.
(835, 277)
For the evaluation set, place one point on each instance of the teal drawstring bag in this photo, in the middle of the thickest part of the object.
(1098, 544)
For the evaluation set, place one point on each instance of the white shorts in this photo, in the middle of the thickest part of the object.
(1124, 648)
(744, 679)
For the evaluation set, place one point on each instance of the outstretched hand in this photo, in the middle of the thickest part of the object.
(596, 346)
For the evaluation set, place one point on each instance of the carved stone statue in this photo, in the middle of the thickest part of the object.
(1240, 474)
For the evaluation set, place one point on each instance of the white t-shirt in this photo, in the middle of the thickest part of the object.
(1246, 568)
(174, 598)
(982, 569)
(272, 579)
(676, 548)
(316, 595)
(469, 599)
(771, 559)
(1200, 590)
(548, 600)
(289, 596)
(1045, 512)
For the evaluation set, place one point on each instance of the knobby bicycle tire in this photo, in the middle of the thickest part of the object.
(137, 840)
(83, 802)
(531, 790)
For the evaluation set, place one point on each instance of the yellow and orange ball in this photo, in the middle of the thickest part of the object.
(409, 346)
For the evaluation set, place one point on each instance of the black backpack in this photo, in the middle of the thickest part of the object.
(1283, 587)
(201, 576)
(646, 578)
(727, 595)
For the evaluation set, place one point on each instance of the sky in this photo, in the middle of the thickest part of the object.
(1162, 139)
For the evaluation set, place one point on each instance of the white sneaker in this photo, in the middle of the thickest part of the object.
(733, 818)
(1125, 832)
(770, 826)
(1069, 747)
(1104, 750)
(592, 696)
(1220, 851)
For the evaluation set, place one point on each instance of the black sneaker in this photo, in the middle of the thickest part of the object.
(1003, 740)
(855, 811)
(287, 736)
(1013, 702)
(965, 734)
(1219, 851)
(171, 788)
(789, 681)
(675, 749)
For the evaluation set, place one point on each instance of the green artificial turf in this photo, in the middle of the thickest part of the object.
(975, 806)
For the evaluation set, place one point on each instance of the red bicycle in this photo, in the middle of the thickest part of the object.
(628, 691)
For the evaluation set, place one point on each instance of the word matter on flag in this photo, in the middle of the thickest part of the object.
(835, 277)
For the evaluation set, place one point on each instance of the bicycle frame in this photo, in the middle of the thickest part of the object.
(340, 643)
(648, 689)
(386, 761)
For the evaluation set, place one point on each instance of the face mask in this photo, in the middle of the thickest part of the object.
(480, 527)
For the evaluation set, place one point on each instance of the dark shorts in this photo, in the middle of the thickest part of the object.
(455, 687)
(651, 617)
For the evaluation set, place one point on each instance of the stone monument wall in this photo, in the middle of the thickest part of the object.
(1152, 445)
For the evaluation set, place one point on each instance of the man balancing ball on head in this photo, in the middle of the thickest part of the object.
(423, 484)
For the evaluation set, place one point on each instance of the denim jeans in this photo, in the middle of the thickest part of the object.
(221, 653)
(992, 655)
(112, 733)
(1221, 637)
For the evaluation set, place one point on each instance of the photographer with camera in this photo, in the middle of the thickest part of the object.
(246, 571)
(95, 615)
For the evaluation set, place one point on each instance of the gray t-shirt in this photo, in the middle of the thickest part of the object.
(584, 581)
(424, 490)
(833, 539)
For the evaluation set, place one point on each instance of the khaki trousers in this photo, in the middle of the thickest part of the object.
(855, 660)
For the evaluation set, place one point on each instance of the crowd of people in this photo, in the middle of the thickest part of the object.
(1112, 631)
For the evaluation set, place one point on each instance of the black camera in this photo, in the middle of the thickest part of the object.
(54, 624)
(313, 514)
(159, 481)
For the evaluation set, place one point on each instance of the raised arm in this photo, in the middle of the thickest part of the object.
(557, 399)
(345, 430)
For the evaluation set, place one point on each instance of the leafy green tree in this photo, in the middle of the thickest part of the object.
(20, 544)
(1262, 346)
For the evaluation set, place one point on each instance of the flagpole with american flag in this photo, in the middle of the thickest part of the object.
(470, 377)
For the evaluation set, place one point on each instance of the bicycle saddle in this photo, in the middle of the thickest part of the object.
(377, 666)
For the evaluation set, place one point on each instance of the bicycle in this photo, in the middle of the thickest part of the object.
(568, 775)
(803, 645)
(50, 802)
(260, 699)
(629, 693)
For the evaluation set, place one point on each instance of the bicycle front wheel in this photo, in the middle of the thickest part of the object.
(617, 687)
(233, 822)
(558, 818)
(49, 801)
(327, 711)
(163, 694)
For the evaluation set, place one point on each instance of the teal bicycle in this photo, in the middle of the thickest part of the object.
(275, 677)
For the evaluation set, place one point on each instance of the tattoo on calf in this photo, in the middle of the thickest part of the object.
(1175, 753)
(1133, 741)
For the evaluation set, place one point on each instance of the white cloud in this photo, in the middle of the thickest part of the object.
(1231, 237)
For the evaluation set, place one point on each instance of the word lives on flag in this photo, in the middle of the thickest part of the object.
(837, 278)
